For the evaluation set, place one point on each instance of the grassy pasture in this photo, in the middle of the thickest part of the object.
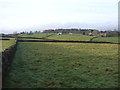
(4, 37)
(29, 39)
(108, 39)
(64, 65)
(4, 44)
(72, 37)
(38, 35)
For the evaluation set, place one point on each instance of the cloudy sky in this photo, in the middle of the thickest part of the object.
(26, 15)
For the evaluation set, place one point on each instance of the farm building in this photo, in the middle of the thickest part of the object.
(90, 32)
(112, 33)
(95, 33)
(102, 34)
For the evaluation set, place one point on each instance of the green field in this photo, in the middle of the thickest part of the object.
(64, 65)
(108, 39)
(68, 37)
(38, 35)
(4, 44)
(72, 37)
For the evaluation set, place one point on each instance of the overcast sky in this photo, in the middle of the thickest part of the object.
(26, 15)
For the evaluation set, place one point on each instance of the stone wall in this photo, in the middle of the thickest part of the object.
(7, 57)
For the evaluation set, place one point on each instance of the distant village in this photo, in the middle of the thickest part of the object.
(90, 32)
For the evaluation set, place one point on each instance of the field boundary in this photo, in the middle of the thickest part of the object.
(8, 36)
(93, 38)
(47, 40)
(48, 35)
(30, 37)
(7, 58)
(4, 39)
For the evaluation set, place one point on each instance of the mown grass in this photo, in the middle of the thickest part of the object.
(72, 37)
(38, 35)
(4, 38)
(4, 44)
(64, 65)
(108, 39)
